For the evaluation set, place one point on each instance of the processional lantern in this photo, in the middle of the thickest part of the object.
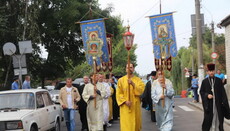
(128, 39)
(128, 42)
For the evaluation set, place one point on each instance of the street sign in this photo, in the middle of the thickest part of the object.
(23, 71)
(187, 74)
(25, 47)
(9, 48)
(214, 55)
(17, 58)
(193, 23)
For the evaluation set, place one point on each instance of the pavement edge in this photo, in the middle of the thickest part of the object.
(199, 106)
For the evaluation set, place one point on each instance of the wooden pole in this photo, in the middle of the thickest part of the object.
(128, 75)
(162, 72)
(94, 80)
(129, 78)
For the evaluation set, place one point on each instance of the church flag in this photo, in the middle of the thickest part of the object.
(110, 48)
(94, 40)
(163, 35)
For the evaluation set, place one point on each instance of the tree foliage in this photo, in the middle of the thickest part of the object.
(51, 23)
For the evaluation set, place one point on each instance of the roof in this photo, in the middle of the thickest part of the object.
(23, 90)
(226, 21)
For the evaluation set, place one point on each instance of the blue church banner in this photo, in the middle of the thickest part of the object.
(94, 40)
(163, 36)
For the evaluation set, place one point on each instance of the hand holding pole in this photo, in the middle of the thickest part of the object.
(94, 81)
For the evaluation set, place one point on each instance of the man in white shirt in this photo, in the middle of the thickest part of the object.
(68, 98)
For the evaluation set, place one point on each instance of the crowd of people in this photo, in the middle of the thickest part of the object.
(95, 100)
(103, 99)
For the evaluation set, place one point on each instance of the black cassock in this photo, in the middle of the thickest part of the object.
(147, 100)
(82, 105)
(221, 102)
(115, 105)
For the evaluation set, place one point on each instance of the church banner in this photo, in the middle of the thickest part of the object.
(94, 40)
(110, 48)
(163, 36)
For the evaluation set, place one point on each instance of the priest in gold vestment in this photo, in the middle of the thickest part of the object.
(130, 108)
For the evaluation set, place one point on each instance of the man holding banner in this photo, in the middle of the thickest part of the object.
(164, 46)
(94, 110)
(129, 101)
(96, 53)
(164, 113)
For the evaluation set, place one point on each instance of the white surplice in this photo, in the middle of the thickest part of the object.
(94, 114)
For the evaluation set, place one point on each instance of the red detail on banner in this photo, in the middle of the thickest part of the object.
(98, 68)
(169, 63)
(157, 64)
(109, 44)
(104, 66)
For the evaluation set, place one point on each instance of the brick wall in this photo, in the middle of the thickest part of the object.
(227, 47)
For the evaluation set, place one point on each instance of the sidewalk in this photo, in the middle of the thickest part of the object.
(200, 107)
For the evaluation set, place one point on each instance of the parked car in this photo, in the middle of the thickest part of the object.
(29, 110)
(48, 87)
(55, 93)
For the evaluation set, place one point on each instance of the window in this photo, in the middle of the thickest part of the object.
(23, 100)
(40, 102)
(47, 99)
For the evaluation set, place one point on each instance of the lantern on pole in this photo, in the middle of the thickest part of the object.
(128, 39)
(128, 42)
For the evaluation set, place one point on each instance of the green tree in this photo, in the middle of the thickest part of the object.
(113, 26)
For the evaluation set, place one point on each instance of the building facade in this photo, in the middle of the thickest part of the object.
(226, 23)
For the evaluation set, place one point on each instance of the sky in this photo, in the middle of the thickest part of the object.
(135, 11)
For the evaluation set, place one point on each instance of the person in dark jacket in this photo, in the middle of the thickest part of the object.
(214, 101)
(146, 97)
(82, 105)
(116, 110)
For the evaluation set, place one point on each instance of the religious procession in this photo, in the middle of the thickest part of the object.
(108, 98)
(97, 75)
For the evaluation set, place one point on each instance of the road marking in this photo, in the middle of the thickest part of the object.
(185, 108)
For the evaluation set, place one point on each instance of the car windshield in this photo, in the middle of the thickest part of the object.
(17, 101)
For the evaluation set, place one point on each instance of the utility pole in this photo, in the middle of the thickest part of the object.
(199, 45)
(199, 42)
(213, 44)
(192, 62)
(182, 76)
(25, 20)
(160, 6)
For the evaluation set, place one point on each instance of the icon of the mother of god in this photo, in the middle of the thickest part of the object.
(94, 43)
(162, 31)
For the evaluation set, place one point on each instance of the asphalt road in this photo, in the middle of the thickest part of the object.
(186, 118)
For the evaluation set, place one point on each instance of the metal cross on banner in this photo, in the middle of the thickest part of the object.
(164, 41)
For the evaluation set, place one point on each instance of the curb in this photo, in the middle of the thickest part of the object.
(199, 106)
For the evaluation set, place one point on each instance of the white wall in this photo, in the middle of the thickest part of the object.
(227, 47)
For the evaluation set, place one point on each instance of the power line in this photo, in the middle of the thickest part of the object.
(144, 14)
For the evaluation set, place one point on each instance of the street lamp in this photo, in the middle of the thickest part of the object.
(128, 41)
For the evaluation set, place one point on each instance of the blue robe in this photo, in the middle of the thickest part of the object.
(164, 116)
